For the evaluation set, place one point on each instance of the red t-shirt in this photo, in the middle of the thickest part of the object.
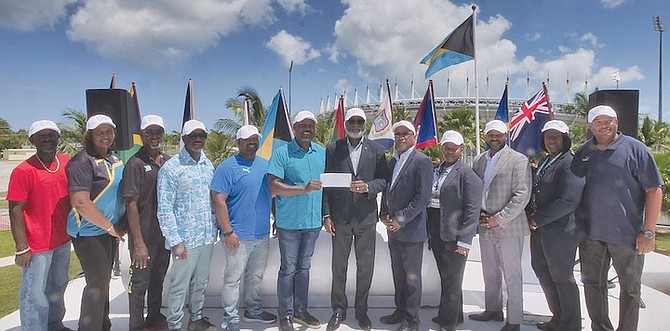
(47, 202)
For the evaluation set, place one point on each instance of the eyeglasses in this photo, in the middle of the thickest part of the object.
(157, 132)
(197, 135)
(403, 134)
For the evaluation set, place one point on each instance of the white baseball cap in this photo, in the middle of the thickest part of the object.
(246, 131)
(496, 125)
(192, 125)
(40, 125)
(304, 115)
(557, 125)
(354, 112)
(151, 120)
(406, 124)
(98, 120)
(452, 136)
(601, 110)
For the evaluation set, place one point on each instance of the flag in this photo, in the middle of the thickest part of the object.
(526, 124)
(277, 129)
(426, 127)
(112, 84)
(189, 109)
(503, 108)
(338, 126)
(381, 125)
(456, 48)
(137, 140)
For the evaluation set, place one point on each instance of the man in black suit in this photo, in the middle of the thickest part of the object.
(404, 213)
(350, 214)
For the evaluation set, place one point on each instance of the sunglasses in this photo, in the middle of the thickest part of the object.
(197, 135)
(157, 132)
(356, 121)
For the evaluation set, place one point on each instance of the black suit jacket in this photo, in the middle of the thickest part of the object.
(408, 197)
(460, 204)
(345, 206)
(557, 196)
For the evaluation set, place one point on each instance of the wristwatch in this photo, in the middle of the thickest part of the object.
(648, 234)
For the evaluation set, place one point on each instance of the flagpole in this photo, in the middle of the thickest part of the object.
(474, 43)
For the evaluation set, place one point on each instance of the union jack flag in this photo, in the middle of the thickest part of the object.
(526, 124)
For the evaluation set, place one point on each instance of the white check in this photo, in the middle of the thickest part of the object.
(332, 179)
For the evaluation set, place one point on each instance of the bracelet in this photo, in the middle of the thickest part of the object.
(23, 251)
(227, 234)
(111, 227)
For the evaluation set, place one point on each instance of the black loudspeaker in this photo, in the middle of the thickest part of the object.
(624, 102)
(119, 105)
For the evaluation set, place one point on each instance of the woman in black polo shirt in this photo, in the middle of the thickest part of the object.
(94, 175)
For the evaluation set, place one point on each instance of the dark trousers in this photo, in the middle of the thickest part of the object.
(148, 283)
(595, 257)
(406, 260)
(363, 237)
(96, 255)
(552, 257)
(451, 267)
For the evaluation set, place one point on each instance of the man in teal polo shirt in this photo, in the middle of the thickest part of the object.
(293, 175)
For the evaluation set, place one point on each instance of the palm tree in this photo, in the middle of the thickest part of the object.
(580, 106)
(655, 134)
(219, 146)
(236, 105)
(663, 164)
(72, 131)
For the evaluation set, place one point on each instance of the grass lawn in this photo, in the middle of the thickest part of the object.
(7, 247)
(663, 243)
(11, 280)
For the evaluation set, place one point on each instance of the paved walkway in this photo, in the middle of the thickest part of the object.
(656, 280)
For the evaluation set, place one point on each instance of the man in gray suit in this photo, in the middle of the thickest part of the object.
(502, 225)
(350, 214)
(404, 213)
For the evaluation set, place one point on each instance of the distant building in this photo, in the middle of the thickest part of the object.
(17, 154)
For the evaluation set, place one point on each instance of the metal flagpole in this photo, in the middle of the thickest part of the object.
(474, 44)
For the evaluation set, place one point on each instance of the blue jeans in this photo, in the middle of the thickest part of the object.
(296, 248)
(42, 289)
(248, 260)
(188, 276)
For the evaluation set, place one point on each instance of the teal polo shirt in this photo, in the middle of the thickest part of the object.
(296, 166)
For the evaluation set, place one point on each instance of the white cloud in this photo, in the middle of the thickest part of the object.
(535, 36)
(612, 3)
(161, 33)
(291, 6)
(292, 48)
(335, 53)
(591, 39)
(24, 15)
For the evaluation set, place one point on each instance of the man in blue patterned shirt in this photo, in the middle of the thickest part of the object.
(186, 220)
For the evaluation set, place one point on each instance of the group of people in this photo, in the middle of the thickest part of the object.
(604, 200)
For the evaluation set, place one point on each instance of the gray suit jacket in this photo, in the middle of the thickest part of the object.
(460, 204)
(508, 194)
(345, 206)
(409, 196)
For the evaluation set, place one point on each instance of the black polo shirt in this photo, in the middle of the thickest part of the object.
(139, 182)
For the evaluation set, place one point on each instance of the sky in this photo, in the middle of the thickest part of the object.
(51, 51)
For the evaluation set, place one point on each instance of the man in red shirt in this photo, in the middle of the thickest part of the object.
(38, 207)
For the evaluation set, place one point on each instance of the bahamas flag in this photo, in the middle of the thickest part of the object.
(503, 108)
(189, 109)
(458, 47)
(426, 127)
(338, 127)
(277, 129)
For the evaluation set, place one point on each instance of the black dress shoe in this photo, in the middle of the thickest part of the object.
(394, 318)
(511, 327)
(307, 320)
(285, 324)
(436, 320)
(407, 327)
(487, 316)
(547, 326)
(335, 321)
(365, 323)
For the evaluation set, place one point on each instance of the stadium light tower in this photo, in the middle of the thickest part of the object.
(658, 26)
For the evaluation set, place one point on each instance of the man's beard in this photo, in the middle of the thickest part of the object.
(354, 135)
